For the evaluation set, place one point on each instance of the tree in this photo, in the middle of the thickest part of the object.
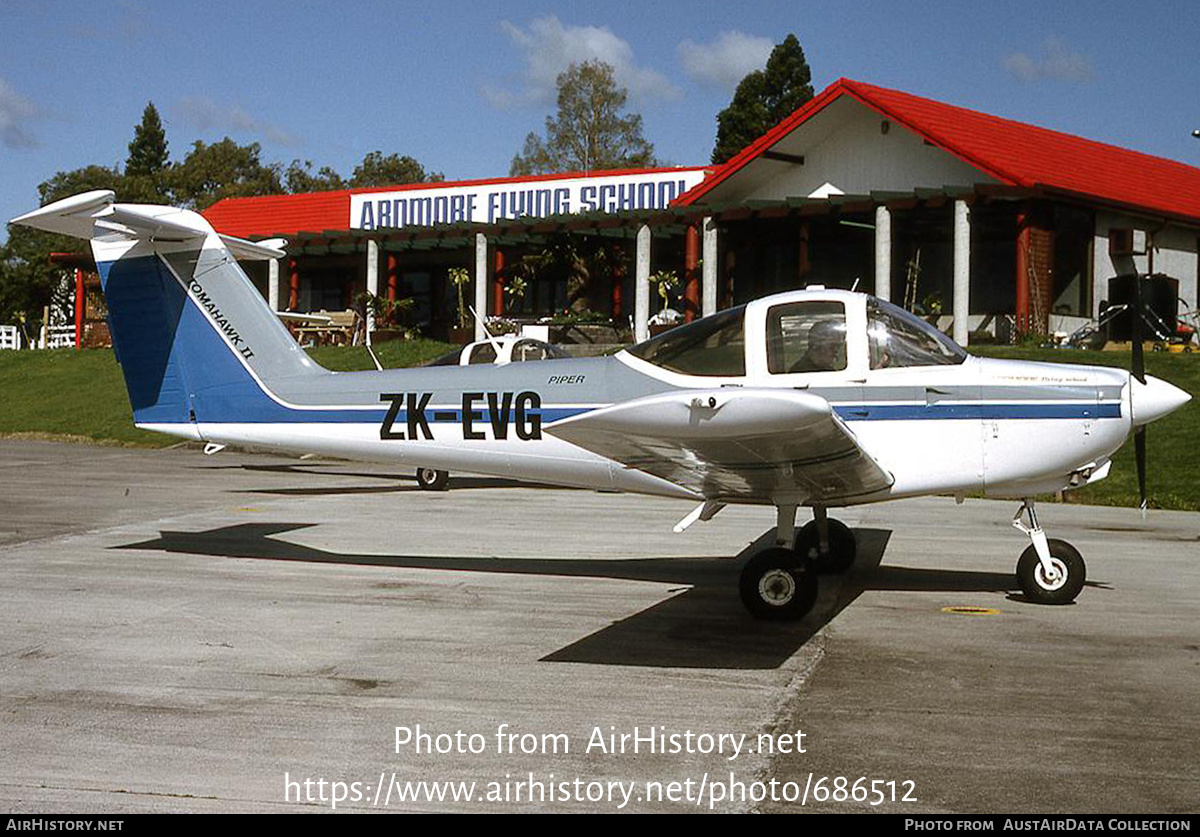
(299, 178)
(392, 170)
(589, 132)
(147, 168)
(27, 278)
(763, 99)
(148, 148)
(222, 170)
(67, 183)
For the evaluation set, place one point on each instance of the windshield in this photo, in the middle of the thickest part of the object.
(713, 346)
(899, 339)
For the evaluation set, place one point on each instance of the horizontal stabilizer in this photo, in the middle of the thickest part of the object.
(74, 216)
(149, 222)
(254, 250)
(80, 215)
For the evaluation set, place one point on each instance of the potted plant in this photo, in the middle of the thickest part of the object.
(386, 314)
(515, 290)
(664, 281)
(463, 332)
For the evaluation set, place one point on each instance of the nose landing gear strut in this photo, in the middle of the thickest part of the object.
(1050, 571)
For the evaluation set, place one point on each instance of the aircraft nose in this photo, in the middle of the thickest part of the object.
(1154, 399)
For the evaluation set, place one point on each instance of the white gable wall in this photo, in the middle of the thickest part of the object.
(844, 146)
(1174, 249)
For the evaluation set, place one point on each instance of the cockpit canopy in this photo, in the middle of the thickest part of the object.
(800, 334)
(896, 337)
(715, 346)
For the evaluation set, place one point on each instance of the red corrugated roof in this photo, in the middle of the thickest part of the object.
(280, 214)
(320, 211)
(1012, 152)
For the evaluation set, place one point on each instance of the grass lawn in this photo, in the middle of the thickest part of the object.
(81, 395)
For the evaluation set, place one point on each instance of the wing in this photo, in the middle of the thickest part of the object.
(742, 444)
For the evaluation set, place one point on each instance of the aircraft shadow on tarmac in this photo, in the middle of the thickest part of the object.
(703, 626)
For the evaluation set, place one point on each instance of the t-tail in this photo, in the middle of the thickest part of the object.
(196, 341)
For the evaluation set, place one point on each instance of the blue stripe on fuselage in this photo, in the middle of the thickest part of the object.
(918, 412)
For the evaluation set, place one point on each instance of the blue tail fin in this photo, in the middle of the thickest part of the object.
(195, 339)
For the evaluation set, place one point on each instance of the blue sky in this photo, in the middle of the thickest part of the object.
(459, 85)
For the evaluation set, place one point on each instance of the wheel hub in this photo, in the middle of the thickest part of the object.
(1054, 582)
(777, 587)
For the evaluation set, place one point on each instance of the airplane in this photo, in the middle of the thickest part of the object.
(813, 398)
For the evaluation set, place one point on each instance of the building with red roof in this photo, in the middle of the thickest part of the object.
(980, 220)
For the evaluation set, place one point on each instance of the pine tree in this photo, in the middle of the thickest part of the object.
(148, 149)
(763, 99)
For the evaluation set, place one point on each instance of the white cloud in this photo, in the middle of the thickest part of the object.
(204, 114)
(1055, 62)
(725, 61)
(16, 112)
(549, 48)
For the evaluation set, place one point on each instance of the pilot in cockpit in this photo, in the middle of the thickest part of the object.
(826, 347)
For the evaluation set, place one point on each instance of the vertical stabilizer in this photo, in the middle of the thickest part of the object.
(195, 339)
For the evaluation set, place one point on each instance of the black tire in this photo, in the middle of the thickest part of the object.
(432, 479)
(1065, 558)
(779, 585)
(843, 547)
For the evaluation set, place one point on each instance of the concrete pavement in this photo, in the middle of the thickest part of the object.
(190, 633)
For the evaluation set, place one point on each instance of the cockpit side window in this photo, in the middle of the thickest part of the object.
(806, 337)
(899, 339)
(714, 346)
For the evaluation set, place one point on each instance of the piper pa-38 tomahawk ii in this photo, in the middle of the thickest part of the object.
(814, 398)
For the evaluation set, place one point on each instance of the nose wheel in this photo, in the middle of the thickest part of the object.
(1049, 571)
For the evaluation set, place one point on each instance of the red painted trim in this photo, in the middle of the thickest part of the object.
(293, 285)
(691, 276)
(1022, 271)
(497, 281)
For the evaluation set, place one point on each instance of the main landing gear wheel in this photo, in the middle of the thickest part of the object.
(432, 479)
(1069, 574)
(778, 584)
(841, 551)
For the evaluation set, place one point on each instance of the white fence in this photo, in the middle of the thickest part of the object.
(57, 337)
(54, 337)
